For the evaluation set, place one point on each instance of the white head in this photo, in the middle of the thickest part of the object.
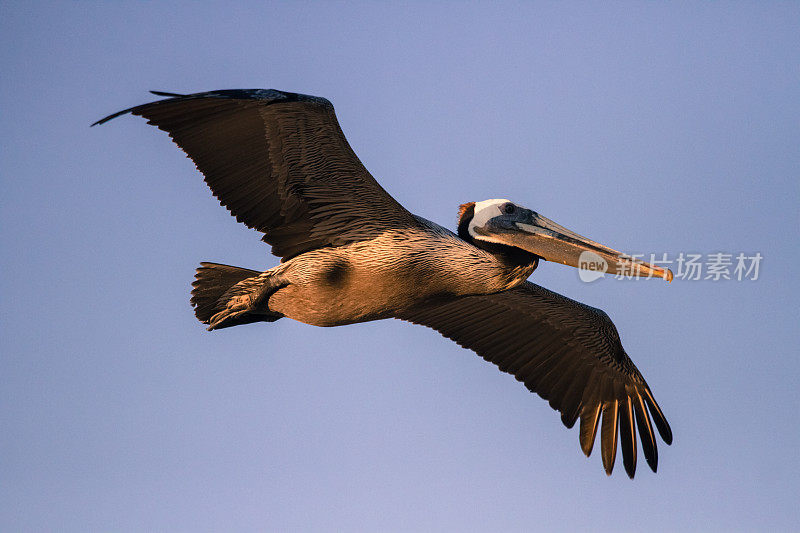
(484, 211)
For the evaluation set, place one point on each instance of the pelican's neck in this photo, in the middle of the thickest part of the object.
(512, 265)
(516, 268)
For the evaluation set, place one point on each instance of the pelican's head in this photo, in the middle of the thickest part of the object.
(502, 222)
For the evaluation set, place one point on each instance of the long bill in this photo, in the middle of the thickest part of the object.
(552, 242)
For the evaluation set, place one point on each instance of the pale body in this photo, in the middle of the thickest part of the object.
(368, 280)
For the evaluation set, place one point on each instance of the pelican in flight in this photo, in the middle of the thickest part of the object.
(279, 162)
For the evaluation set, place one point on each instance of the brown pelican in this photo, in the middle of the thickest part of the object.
(279, 162)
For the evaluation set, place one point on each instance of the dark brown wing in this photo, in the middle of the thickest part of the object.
(568, 353)
(280, 163)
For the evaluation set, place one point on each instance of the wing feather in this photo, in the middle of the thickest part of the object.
(649, 447)
(568, 353)
(588, 429)
(608, 434)
(280, 164)
(627, 431)
(658, 417)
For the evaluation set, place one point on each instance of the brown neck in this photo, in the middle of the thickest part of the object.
(519, 263)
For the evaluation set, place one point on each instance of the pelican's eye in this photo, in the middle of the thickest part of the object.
(509, 209)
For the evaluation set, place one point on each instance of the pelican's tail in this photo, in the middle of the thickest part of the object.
(224, 296)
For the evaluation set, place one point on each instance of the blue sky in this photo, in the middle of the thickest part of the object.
(648, 127)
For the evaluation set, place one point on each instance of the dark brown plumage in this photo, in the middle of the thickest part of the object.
(569, 353)
(281, 165)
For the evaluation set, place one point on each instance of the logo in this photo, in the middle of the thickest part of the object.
(591, 266)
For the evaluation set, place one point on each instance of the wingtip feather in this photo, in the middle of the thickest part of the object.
(658, 417)
(627, 435)
(646, 435)
(608, 434)
(171, 95)
(588, 429)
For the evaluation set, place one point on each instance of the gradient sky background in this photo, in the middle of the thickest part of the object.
(649, 127)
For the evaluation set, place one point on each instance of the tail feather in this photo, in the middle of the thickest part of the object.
(212, 282)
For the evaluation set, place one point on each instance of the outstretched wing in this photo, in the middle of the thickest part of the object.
(281, 165)
(568, 353)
